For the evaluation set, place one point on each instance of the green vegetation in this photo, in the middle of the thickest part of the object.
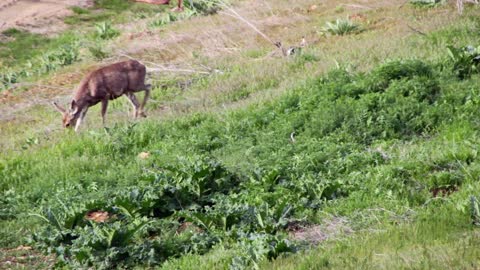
(24, 46)
(238, 180)
(342, 27)
(426, 3)
(257, 154)
(104, 30)
(466, 60)
(46, 55)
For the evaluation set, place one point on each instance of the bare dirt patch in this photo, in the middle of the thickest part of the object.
(24, 257)
(38, 16)
(315, 234)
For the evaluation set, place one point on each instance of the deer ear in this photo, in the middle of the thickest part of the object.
(59, 108)
(73, 107)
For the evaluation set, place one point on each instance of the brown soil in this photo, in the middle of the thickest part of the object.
(315, 234)
(38, 16)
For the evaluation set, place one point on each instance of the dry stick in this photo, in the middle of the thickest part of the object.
(416, 31)
(237, 16)
(269, 7)
(163, 68)
(404, 3)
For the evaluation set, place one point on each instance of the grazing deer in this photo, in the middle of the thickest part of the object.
(104, 84)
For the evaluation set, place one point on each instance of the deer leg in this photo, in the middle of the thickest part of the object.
(134, 102)
(80, 118)
(104, 110)
(145, 98)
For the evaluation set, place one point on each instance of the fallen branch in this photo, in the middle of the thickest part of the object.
(403, 4)
(416, 30)
(234, 14)
(237, 16)
(162, 68)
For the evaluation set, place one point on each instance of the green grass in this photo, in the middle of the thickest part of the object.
(26, 46)
(342, 27)
(336, 119)
(370, 145)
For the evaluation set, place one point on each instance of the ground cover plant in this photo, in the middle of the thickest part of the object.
(342, 27)
(238, 180)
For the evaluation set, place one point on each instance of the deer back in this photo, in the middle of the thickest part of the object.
(111, 82)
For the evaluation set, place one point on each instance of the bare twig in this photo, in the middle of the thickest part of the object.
(236, 16)
(416, 31)
(162, 68)
(403, 4)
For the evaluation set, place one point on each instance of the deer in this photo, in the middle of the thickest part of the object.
(104, 84)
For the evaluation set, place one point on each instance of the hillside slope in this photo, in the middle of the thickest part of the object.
(358, 152)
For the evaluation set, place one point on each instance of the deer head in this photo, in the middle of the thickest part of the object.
(69, 116)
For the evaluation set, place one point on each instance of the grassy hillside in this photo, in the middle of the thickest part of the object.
(271, 163)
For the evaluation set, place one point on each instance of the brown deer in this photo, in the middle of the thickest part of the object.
(104, 84)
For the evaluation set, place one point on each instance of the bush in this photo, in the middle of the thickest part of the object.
(104, 30)
(426, 3)
(342, 27)
(465, 61)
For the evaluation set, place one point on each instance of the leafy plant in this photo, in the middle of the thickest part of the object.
(426, 3)
(104, 30)
(79, 10)
(205, 7)
(9, 202)
(465, 60)
(64, 56)
(342, 27)
(97, 52)
(164, 19)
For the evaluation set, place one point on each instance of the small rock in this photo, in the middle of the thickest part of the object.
(144, 155)
(312, 8)
(97, 216)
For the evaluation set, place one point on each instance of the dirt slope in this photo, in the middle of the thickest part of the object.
(39, 16)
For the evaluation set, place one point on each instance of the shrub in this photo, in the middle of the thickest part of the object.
(342, 27)
(104, 30)
(465, 61)
(205, 7)
(426, 3)
(64, 56)
(97, 52)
